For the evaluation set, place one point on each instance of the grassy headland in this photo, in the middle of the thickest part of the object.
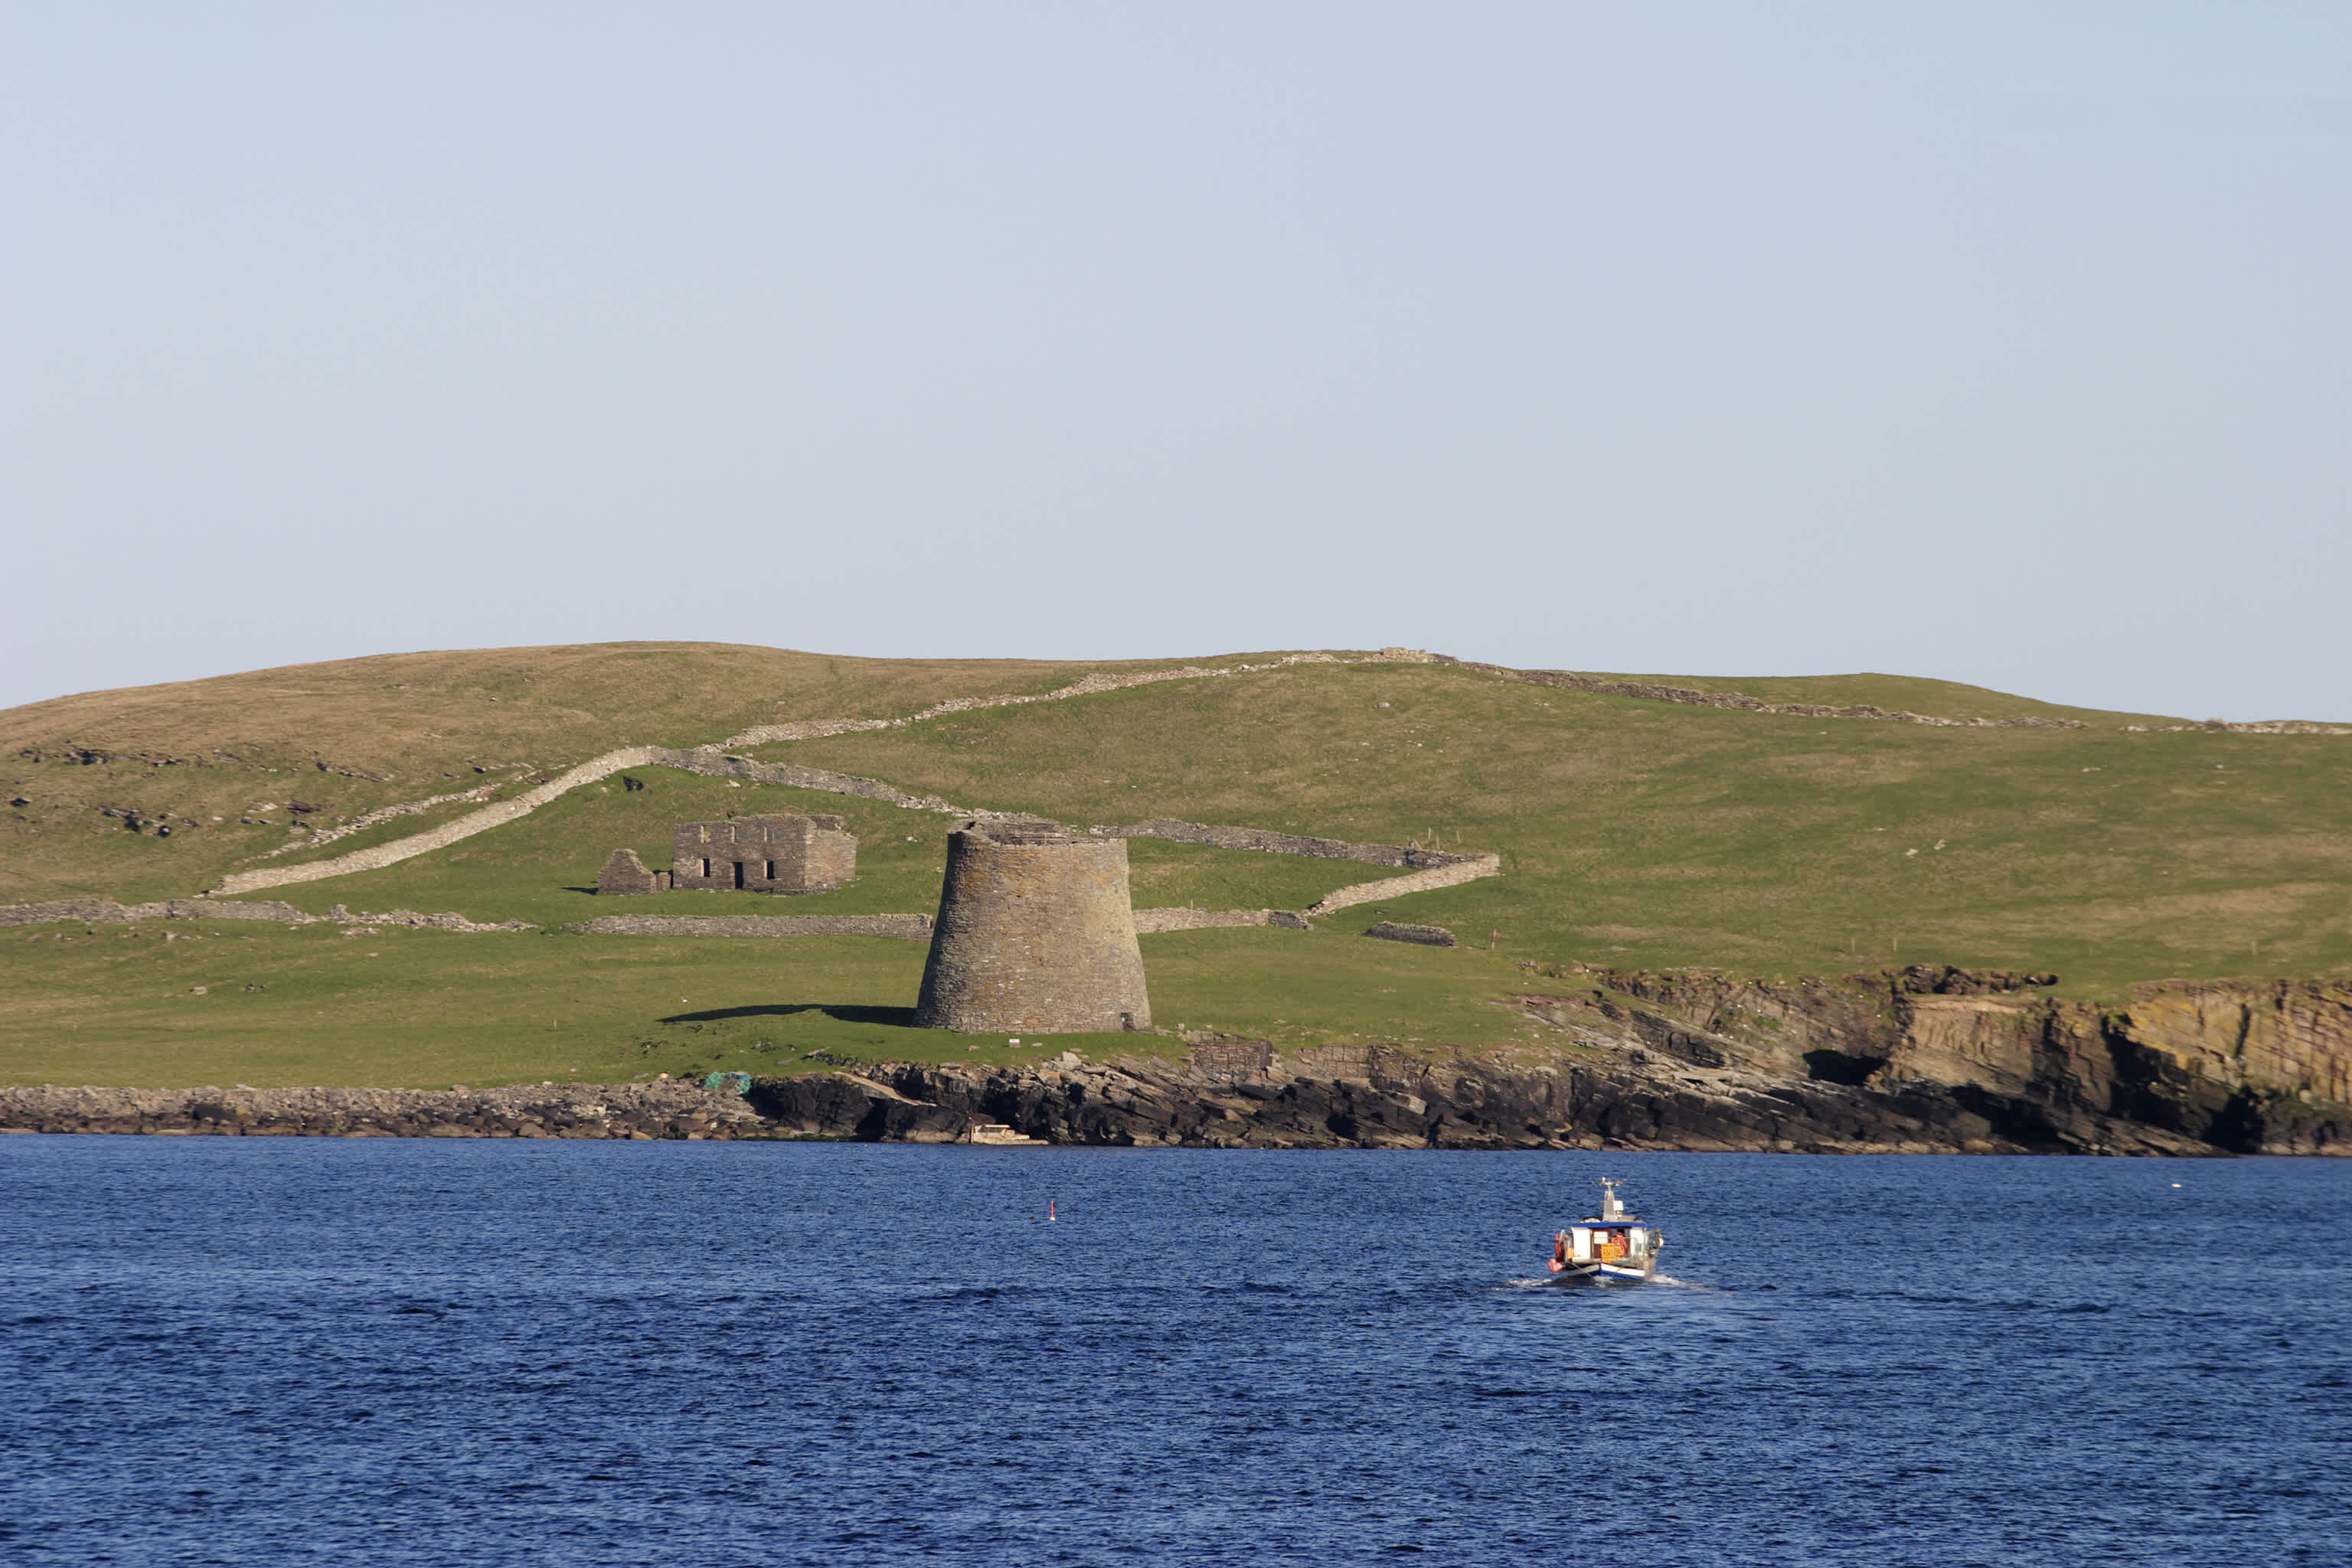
(1633, 833)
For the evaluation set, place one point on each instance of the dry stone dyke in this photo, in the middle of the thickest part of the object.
(107, 912)
(448, 833)
(1035, 932)
(1087, 686)
(1284, 844)
(1468, 868)
(1148, 923)
(368, 819)
(908, 928)
(718, 762)
(1566, 680)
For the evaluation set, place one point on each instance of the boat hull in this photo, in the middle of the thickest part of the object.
(1604, 1274)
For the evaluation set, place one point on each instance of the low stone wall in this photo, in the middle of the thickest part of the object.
(95, 911)
(709, 761)
(1467, 870)
(908, 928)
(1282, 843)
(717, 762)
(1568, 681)
(543, 1110)
(448, 833)
(1150, 922)
(725, 765)
(1087, 686)
(368, 819)
(911, 928)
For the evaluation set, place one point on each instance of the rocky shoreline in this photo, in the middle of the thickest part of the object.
(627, 1111)
(1927, 1059)
(1388, 1098)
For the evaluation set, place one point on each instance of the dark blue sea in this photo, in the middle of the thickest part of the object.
(263, 1351)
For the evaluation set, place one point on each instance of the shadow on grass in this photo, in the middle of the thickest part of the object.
(895, 1018)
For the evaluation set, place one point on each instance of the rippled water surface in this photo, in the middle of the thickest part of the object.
(382, 1352)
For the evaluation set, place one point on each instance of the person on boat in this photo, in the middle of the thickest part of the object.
(1559, 1251)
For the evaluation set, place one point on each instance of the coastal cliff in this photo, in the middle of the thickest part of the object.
(1923, 1059)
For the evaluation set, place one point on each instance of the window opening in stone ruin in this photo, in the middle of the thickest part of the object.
(706, 869)
(738, 873)
(771, 865)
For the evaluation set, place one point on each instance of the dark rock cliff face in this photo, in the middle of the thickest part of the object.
(2256, 1067)
(1925, 1059)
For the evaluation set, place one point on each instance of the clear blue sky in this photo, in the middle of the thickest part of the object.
(2005, 343)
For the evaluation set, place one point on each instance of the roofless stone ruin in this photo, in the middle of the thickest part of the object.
(1035, 932)
(770, 854)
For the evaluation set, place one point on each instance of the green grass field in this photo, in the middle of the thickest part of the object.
(1653, 834)
(285, 1006)
(1633, 833)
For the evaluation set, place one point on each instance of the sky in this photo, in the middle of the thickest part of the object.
(2003, 343)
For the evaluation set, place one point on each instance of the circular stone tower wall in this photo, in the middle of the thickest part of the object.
(1035, 932)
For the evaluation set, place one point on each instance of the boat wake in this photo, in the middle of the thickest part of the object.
(1553, 1282)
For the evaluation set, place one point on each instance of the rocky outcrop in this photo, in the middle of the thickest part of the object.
(1926, 1059)
(2246, 1066)
(1426, 936)
(1383, 1097)
(643, 1111)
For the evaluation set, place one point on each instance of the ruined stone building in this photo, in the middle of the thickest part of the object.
(1035, 932)
(625, 873)
(777, 854)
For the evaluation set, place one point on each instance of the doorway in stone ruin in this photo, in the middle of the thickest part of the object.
(739, 875)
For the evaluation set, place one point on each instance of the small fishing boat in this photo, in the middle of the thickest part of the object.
(1612, 1247)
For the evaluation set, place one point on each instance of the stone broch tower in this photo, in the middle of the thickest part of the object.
(1034, 933)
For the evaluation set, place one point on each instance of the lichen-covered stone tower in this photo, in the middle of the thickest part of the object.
(1035, 932)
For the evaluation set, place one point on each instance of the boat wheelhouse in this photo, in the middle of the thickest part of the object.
(1610, 1248)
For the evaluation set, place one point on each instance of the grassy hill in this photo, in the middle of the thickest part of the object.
(1633, 833)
